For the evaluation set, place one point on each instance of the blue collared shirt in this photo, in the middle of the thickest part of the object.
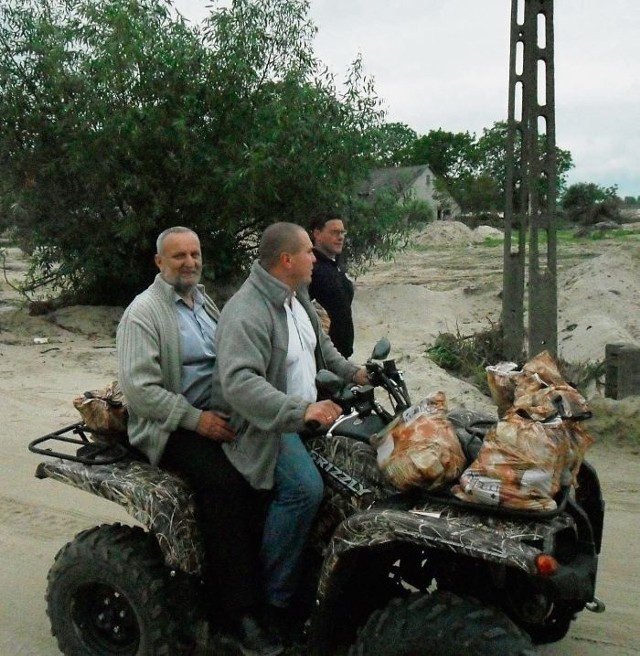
(197, 338)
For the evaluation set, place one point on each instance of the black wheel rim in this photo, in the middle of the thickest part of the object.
(104, 620)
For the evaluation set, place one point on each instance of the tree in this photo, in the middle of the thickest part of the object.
(492, 159)
(472, 169)
(395, 142)
(118, 119)
(589, 203)
(451, 156)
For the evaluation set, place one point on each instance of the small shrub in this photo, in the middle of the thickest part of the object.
(467, 356)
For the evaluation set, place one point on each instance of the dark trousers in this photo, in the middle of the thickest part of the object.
(231, 517)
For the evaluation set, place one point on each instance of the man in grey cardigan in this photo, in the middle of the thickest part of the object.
(270, 346)
(166, 355)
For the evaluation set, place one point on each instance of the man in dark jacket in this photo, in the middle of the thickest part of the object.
(330, 284)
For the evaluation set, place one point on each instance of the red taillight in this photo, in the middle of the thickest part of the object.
(546, 564)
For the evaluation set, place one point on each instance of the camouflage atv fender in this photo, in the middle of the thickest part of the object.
(504, 541)
(157, 499)
(353, 482)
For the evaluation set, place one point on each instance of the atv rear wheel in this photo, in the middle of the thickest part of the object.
(553, 629)
(440, 624)
(108, 594)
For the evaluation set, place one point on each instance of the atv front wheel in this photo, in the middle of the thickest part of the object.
(108, 594)
(439, 624)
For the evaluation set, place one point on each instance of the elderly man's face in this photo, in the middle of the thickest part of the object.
(180, 261)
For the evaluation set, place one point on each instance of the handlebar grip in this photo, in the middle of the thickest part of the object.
(312, 425)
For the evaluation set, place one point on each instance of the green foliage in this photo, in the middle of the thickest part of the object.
(395, 143)
(450, 155)
(472, 169)
(119, 119)
(383, 227)
(589, 203)
(492, 156)
(467, 356)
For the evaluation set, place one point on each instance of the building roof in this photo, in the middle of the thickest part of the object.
(395, 179)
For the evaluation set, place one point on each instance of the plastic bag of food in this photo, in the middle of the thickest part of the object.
(523, 463)
(420, 448)
(545, 367)
(502, 379)
(538, 390)
(557, 400)
(104, 413)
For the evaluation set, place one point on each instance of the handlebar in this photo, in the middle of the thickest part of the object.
(389, 377)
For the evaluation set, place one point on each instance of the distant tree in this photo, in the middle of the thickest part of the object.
(479, 194)
(587, 203)
(472, 169)
(492, 159)
(119, 119)
(395, 140)
(451, 156)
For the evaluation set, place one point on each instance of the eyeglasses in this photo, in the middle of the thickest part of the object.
(338, 233)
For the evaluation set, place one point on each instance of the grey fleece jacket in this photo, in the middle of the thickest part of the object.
(150, 367)
(252, 340)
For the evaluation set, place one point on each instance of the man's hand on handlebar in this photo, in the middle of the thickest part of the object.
(323, 412)
(361, 377)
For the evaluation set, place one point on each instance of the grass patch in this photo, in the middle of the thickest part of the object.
(492, 242)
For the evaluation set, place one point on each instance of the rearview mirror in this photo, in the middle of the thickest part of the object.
(381, 349)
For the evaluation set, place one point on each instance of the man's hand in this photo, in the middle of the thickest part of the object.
(214, 426)
(361, 376)
(324, 412)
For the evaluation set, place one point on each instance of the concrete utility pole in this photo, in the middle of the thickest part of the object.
(530, 184)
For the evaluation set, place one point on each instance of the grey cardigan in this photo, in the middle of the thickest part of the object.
(250, 372)
(148, 347)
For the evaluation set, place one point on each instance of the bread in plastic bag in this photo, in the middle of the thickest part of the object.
(104, 413)
(541, 392)
(537, 446)
(420, 448)
(502, 379)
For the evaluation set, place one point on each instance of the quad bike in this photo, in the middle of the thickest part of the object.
(389, 573)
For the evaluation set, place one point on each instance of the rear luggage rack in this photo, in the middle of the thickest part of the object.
(88, 451)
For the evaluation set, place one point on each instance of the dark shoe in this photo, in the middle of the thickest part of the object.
(285, 623)
(252, 639)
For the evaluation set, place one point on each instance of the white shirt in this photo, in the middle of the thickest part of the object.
(301, 361)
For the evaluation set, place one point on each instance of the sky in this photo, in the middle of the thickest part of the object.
(445, 64)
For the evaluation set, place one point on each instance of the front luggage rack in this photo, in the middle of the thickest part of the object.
(88, 452)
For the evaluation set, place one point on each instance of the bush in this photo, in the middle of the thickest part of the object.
(118, 119)
(467, 356)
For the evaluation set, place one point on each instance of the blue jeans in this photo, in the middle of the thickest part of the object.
(298, 494)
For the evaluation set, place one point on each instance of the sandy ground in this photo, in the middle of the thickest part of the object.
(449, 283)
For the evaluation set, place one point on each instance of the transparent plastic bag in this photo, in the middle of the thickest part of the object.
(104, 413)
(420, 448)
